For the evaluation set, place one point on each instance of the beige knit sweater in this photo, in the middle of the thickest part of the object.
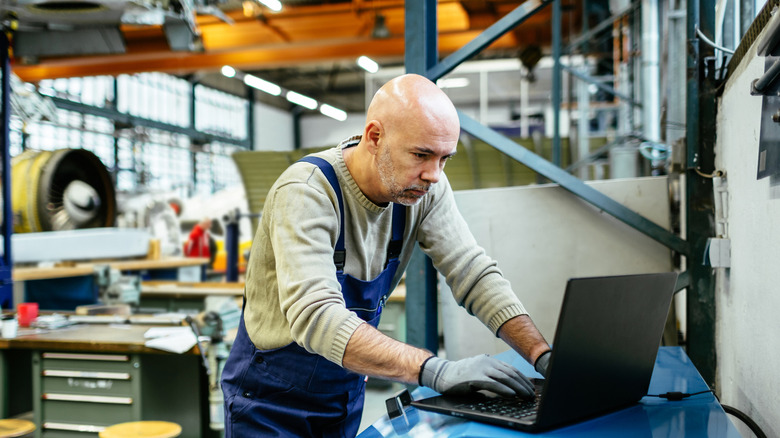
(291, 288)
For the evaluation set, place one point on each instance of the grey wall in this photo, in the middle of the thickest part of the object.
(747, 298)
(273, 129)
(319, 131)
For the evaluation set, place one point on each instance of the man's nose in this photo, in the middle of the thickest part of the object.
(432, 172)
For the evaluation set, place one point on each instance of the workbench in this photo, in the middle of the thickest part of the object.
(26, 273)
(88, 376)
(186, 297)
(64, 287)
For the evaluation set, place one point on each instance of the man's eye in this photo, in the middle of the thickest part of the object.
(418, 155)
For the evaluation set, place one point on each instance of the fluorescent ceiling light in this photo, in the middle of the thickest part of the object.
(368, 64)
(47, 91)
(274, 5)
(333, 112)
(292, 96)
(453, 83)
(228, 71)
(268, 87)
(300, 99)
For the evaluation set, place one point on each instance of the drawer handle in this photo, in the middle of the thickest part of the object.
(89, 428)
(86, 374)
(89, 398)
(76, 356)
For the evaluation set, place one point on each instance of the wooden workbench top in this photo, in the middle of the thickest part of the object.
(81, 269)
(109, 338)
(185, 289)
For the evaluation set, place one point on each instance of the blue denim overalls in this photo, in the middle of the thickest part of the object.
(289, 392)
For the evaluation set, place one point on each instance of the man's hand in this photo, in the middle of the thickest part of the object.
(474, 374)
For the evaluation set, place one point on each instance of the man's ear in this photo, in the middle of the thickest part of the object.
(372, 134)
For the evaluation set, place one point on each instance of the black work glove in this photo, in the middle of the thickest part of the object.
(474, 374)
(542, 361)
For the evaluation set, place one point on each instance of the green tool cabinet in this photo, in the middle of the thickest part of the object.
(86, 378)
(81, 394)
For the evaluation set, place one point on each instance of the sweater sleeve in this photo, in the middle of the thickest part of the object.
(303, 232)
(477, 283)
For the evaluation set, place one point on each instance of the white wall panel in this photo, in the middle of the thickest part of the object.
(747, 298)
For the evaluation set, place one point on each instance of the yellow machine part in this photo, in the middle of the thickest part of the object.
(40, 180)
(25, 177)
(220, 259)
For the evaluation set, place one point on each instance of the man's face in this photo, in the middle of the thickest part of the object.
(407, 172)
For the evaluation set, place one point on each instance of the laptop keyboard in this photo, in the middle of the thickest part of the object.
(507, 407)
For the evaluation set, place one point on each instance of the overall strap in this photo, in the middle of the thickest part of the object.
(339, 253)
(399, 224)
(399, 217)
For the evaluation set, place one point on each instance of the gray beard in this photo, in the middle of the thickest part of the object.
(397, 193)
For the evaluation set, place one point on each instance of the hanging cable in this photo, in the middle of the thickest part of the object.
(712, 43)
(752, 425)
(708, 175)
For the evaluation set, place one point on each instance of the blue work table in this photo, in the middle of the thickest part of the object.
(698, 416)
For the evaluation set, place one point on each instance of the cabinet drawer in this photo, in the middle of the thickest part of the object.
(110, 363)
(70, 430)
(86, 382)
(100, 412)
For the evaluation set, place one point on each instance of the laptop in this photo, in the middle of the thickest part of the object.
(604, 351)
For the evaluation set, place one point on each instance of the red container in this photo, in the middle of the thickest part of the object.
(26, 313)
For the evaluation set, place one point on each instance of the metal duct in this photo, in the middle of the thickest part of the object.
(92, 27)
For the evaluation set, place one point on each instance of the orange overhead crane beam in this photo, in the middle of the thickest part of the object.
(295, 36)
(145, 59)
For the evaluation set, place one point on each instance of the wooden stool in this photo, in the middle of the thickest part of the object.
(142, 429)
(13, 427)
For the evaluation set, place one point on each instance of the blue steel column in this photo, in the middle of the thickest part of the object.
(421, 35)
(250, 119)
(556, 82)
(231, 246)
(6, 268)
(700, 143)
(115, 106)
(422, 324)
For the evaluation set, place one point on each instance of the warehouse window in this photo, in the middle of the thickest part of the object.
(140, 157)
(223, 166)
(155, 96)
(96, 91)
(125, 164)
(70, 130)
(220, 113)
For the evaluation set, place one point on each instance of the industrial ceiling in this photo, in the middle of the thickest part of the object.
(309, 46)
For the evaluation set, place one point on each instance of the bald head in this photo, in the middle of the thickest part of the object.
(411, 130)
(413, 104)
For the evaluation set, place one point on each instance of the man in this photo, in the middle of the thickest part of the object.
(336, 233)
